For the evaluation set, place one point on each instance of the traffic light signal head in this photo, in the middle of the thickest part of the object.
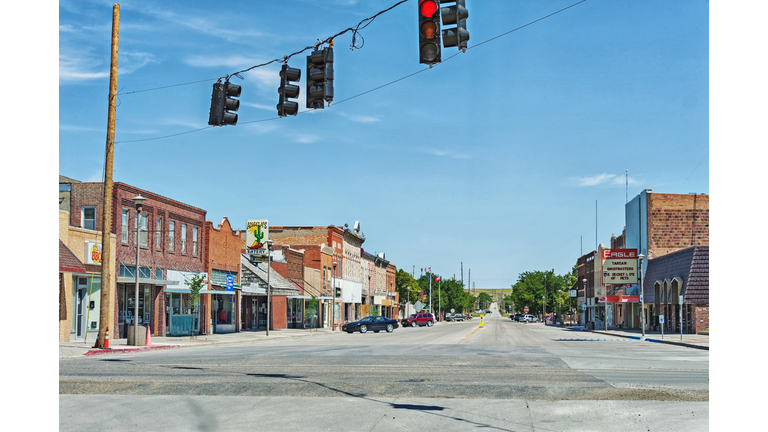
(456, 14)
(222, 104)
(288, 90)
(429, 32)
(320, 78)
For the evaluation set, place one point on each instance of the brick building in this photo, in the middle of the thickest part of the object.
(326, 244)
(222, 247)
(659, 224)
(170, 254)
(681, 273)
(80, 281)
(254, 277)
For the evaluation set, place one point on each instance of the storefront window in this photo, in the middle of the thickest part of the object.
(126, 303)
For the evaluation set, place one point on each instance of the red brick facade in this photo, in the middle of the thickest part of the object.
(701, 318)
(221, 251)
(157, 253)
(676, 221)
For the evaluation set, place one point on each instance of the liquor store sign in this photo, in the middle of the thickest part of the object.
(619, 266)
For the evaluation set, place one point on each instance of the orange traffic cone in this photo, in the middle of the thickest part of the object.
(106, 339)
(149, 337)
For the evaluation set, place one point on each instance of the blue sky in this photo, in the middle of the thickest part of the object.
(494, 158)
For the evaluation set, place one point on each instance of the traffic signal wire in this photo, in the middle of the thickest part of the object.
(359, 94)
(355, 30)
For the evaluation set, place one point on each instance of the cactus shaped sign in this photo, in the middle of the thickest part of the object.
(256, 236)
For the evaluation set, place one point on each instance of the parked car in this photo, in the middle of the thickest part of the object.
(517, 317)
(458, 317)
(449, 317)
(528, 318)
(419, 319)
(375, 323)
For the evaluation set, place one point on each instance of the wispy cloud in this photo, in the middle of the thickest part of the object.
(305, 138)
(446, 153)
(595, 180)
(362, 118)
(259, 106)
(66, 28)
(610, 179)
(72, 128)
(76, 69)
(206, 24)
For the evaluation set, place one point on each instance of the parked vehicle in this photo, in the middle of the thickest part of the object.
(449, 317)
(419, 319)
(458, 317)
(374, 323)
(517, 317)
(529, 318)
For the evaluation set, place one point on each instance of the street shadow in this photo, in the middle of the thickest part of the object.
(417, 407)
(426, 409)
(114, 360)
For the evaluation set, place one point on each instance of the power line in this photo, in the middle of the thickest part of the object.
(359, 94)
(694, 170)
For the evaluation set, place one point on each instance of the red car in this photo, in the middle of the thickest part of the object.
(419, 319)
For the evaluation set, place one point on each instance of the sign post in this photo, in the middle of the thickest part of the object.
(681, 317)
(661, 321)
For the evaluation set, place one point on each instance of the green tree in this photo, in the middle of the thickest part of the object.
(407, 287)
(195, 285)
(485, 300)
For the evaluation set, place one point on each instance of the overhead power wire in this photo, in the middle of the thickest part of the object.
(355, 30)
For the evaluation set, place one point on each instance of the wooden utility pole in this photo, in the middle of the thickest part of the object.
(106, 202)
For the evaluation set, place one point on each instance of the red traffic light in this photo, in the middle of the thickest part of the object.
(428, 7)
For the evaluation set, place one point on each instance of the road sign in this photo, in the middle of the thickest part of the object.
(526, 309)
(661, 319)
(418, 306)
(453, 310)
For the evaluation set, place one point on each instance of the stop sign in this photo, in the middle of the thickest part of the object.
(526, 310)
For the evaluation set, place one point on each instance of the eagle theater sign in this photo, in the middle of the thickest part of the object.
(619, 266)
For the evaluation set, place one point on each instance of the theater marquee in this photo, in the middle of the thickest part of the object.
(619, 266)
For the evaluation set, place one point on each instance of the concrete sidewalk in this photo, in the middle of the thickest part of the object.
(118, 346)
(688, 340)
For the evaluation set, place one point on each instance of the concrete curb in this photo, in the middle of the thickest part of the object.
(689, 345)
(197, 344)
(128, 350)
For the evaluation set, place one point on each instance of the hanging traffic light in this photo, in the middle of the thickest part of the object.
(222, 104)
(288, 90)
(320, 78)
(456, 14)
(429, 32)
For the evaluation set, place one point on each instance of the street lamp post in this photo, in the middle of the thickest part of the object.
(333, 305)
(584, 281)
(269, 287)
(605, 276)
(390, 307)
(139, 200)
(642, 300)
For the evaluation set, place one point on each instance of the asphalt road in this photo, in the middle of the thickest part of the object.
(502, 362)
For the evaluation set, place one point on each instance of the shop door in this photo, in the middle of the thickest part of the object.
(80, 308)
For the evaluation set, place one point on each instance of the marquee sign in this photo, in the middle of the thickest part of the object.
(619, 266)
